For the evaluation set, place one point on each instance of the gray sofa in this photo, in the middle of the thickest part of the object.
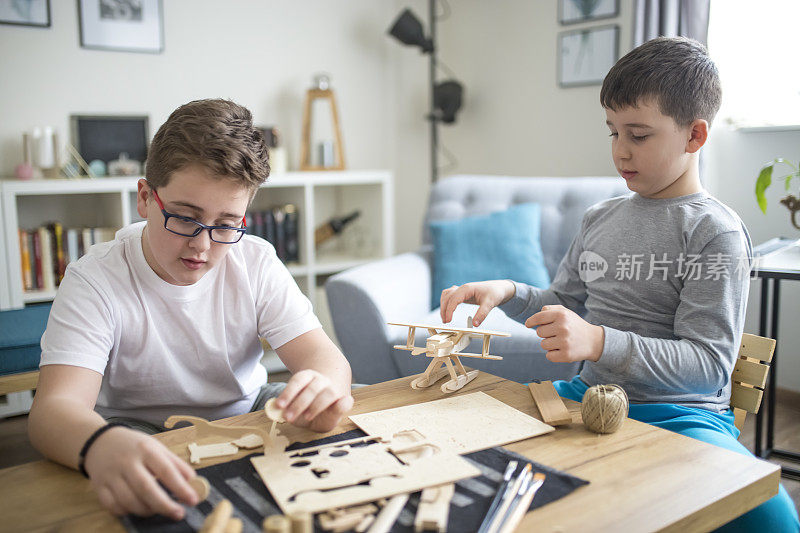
(398, 289)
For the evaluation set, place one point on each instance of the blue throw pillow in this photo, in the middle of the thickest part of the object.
(501, 245)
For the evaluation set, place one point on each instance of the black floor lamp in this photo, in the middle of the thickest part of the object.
(445, 97)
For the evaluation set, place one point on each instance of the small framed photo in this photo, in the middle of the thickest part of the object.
(585, 56)
(105, 137)
(34, 13)
(574, 11)
(124, 25)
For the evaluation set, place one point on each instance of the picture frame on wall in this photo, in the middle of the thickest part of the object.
(585, 56)
(575, 11)
(35, 13)
(122, 25)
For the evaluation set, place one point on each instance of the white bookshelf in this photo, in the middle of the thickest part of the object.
(110, 202)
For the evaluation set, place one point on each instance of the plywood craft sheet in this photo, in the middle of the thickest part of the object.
(460, 424)
(357, 471)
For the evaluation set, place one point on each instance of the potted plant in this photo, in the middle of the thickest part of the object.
(764, 180)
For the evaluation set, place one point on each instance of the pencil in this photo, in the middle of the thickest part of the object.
(501, 491)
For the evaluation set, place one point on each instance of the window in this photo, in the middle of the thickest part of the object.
(755, 46)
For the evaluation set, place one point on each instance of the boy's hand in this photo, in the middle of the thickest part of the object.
(486, 294)
(125, 467)
(311, 400)
(566, 336)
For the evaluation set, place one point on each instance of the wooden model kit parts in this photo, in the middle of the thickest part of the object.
(461, 424)
(277, 523)
(204, 428)
(198, 452)
(352, 518)
(201, 487)
(434, 508)
(550, 404)
(275, 414)
(363, 470)
(221, 520)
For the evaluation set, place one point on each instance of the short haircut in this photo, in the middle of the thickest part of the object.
(215, 134)
(675, 72)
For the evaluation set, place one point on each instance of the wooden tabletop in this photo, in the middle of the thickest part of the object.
(642, 478)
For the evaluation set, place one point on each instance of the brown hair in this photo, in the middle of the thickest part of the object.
(216, 134)
(675, 72)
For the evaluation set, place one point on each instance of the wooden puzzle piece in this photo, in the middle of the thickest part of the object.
(361, 470)
(434, 508)
(204, 428)
(198, 452)
(550, 404)
(201, 487)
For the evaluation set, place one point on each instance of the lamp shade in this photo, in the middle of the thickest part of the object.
(447, 97)
(408, 30)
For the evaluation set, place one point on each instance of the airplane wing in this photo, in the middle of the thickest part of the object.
(441, 328)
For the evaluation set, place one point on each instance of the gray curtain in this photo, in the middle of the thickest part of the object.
(670, 18)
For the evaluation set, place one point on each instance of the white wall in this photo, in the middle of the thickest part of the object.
(516, 120)
(260, 54)
(734, 160)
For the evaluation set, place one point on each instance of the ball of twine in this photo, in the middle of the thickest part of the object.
(604, 408)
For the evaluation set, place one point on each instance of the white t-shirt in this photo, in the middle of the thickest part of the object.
(167, 349)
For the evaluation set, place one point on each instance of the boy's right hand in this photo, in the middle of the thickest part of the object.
(486, 294)
(125, 467)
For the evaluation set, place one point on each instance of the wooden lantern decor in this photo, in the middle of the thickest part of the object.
(321, 90)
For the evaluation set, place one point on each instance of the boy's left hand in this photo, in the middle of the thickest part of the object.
(566, 336)
(311, 400)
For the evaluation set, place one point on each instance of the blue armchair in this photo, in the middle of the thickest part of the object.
(363, 299)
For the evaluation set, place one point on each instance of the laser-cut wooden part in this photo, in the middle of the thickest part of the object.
(434, 508)
(460, 424)
(388, 515)
(204, 428)
(276, 523)
(219, 518)
(201, 487)
(301, 522)
(275, 414)
(338, 520)
(249, 442)
(445, 345)
(339, 475)
(198, 452)
(234, 525)
(550, 404)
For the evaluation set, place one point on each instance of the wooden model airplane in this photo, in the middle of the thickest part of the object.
(444, 345)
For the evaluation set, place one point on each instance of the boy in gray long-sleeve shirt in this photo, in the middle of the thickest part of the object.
(653, 290)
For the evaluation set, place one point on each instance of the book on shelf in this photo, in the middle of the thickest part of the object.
(25, 258)
(278, 225)
(46, 251)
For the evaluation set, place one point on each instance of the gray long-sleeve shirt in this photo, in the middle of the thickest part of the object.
(668, 281)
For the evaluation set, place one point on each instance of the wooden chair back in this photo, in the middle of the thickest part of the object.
(750, 376)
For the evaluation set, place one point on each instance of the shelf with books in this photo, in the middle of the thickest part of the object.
(111, 203)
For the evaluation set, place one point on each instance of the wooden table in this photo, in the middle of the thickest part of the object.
(642, 478)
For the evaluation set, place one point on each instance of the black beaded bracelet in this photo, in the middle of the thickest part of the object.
(89, 442)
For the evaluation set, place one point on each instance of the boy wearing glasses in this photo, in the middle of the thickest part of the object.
(166, 319)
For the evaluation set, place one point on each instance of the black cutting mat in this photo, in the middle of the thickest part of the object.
(238, 482)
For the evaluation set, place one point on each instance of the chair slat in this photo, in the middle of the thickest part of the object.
(746, 398)
(750, 372)
(756, 347)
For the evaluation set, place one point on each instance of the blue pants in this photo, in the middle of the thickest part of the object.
(778, 514)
